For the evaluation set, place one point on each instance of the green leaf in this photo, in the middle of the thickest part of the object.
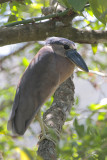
(94, 48)
(25, 62)
(3, 8)
(65, 3)
(12, 18)
(101, 116)
(75, 123)
(28, 2)
(78, 5)
(99, 8)
(23, 154)
(92, 130)
(79, 128)
(94, 107)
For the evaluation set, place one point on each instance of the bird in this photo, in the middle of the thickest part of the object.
(52, 65)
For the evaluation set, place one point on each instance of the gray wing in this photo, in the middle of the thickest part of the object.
(37, 84)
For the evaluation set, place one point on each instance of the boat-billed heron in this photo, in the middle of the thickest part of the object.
(52, 65)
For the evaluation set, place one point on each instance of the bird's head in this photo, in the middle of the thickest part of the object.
(67, 48)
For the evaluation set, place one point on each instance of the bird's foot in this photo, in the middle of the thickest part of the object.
(48, 137)
(51, 134)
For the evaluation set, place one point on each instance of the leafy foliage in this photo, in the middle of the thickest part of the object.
(99, 9)
(86, 141)
(75, 4)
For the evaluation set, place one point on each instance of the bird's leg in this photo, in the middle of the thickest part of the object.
(44, 128)
(38, 117)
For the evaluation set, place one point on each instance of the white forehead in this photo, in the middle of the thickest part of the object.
(60, 41)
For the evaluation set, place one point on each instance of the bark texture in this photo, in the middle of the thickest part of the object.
(55, 117)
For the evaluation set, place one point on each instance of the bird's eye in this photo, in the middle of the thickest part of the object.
(66, 47)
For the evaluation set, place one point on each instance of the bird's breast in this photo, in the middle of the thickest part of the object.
(64, 67)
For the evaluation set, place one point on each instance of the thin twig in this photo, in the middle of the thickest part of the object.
(94, 72)
(98, 73)
(36, 19)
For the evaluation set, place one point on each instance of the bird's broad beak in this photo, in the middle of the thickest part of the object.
(75, 57)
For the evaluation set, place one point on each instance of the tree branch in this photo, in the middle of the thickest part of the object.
(54, 27)
(55, 117)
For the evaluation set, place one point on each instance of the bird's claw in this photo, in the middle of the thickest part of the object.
(50, 133)
(48, 137)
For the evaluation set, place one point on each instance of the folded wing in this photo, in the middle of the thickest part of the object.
(37, 84)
